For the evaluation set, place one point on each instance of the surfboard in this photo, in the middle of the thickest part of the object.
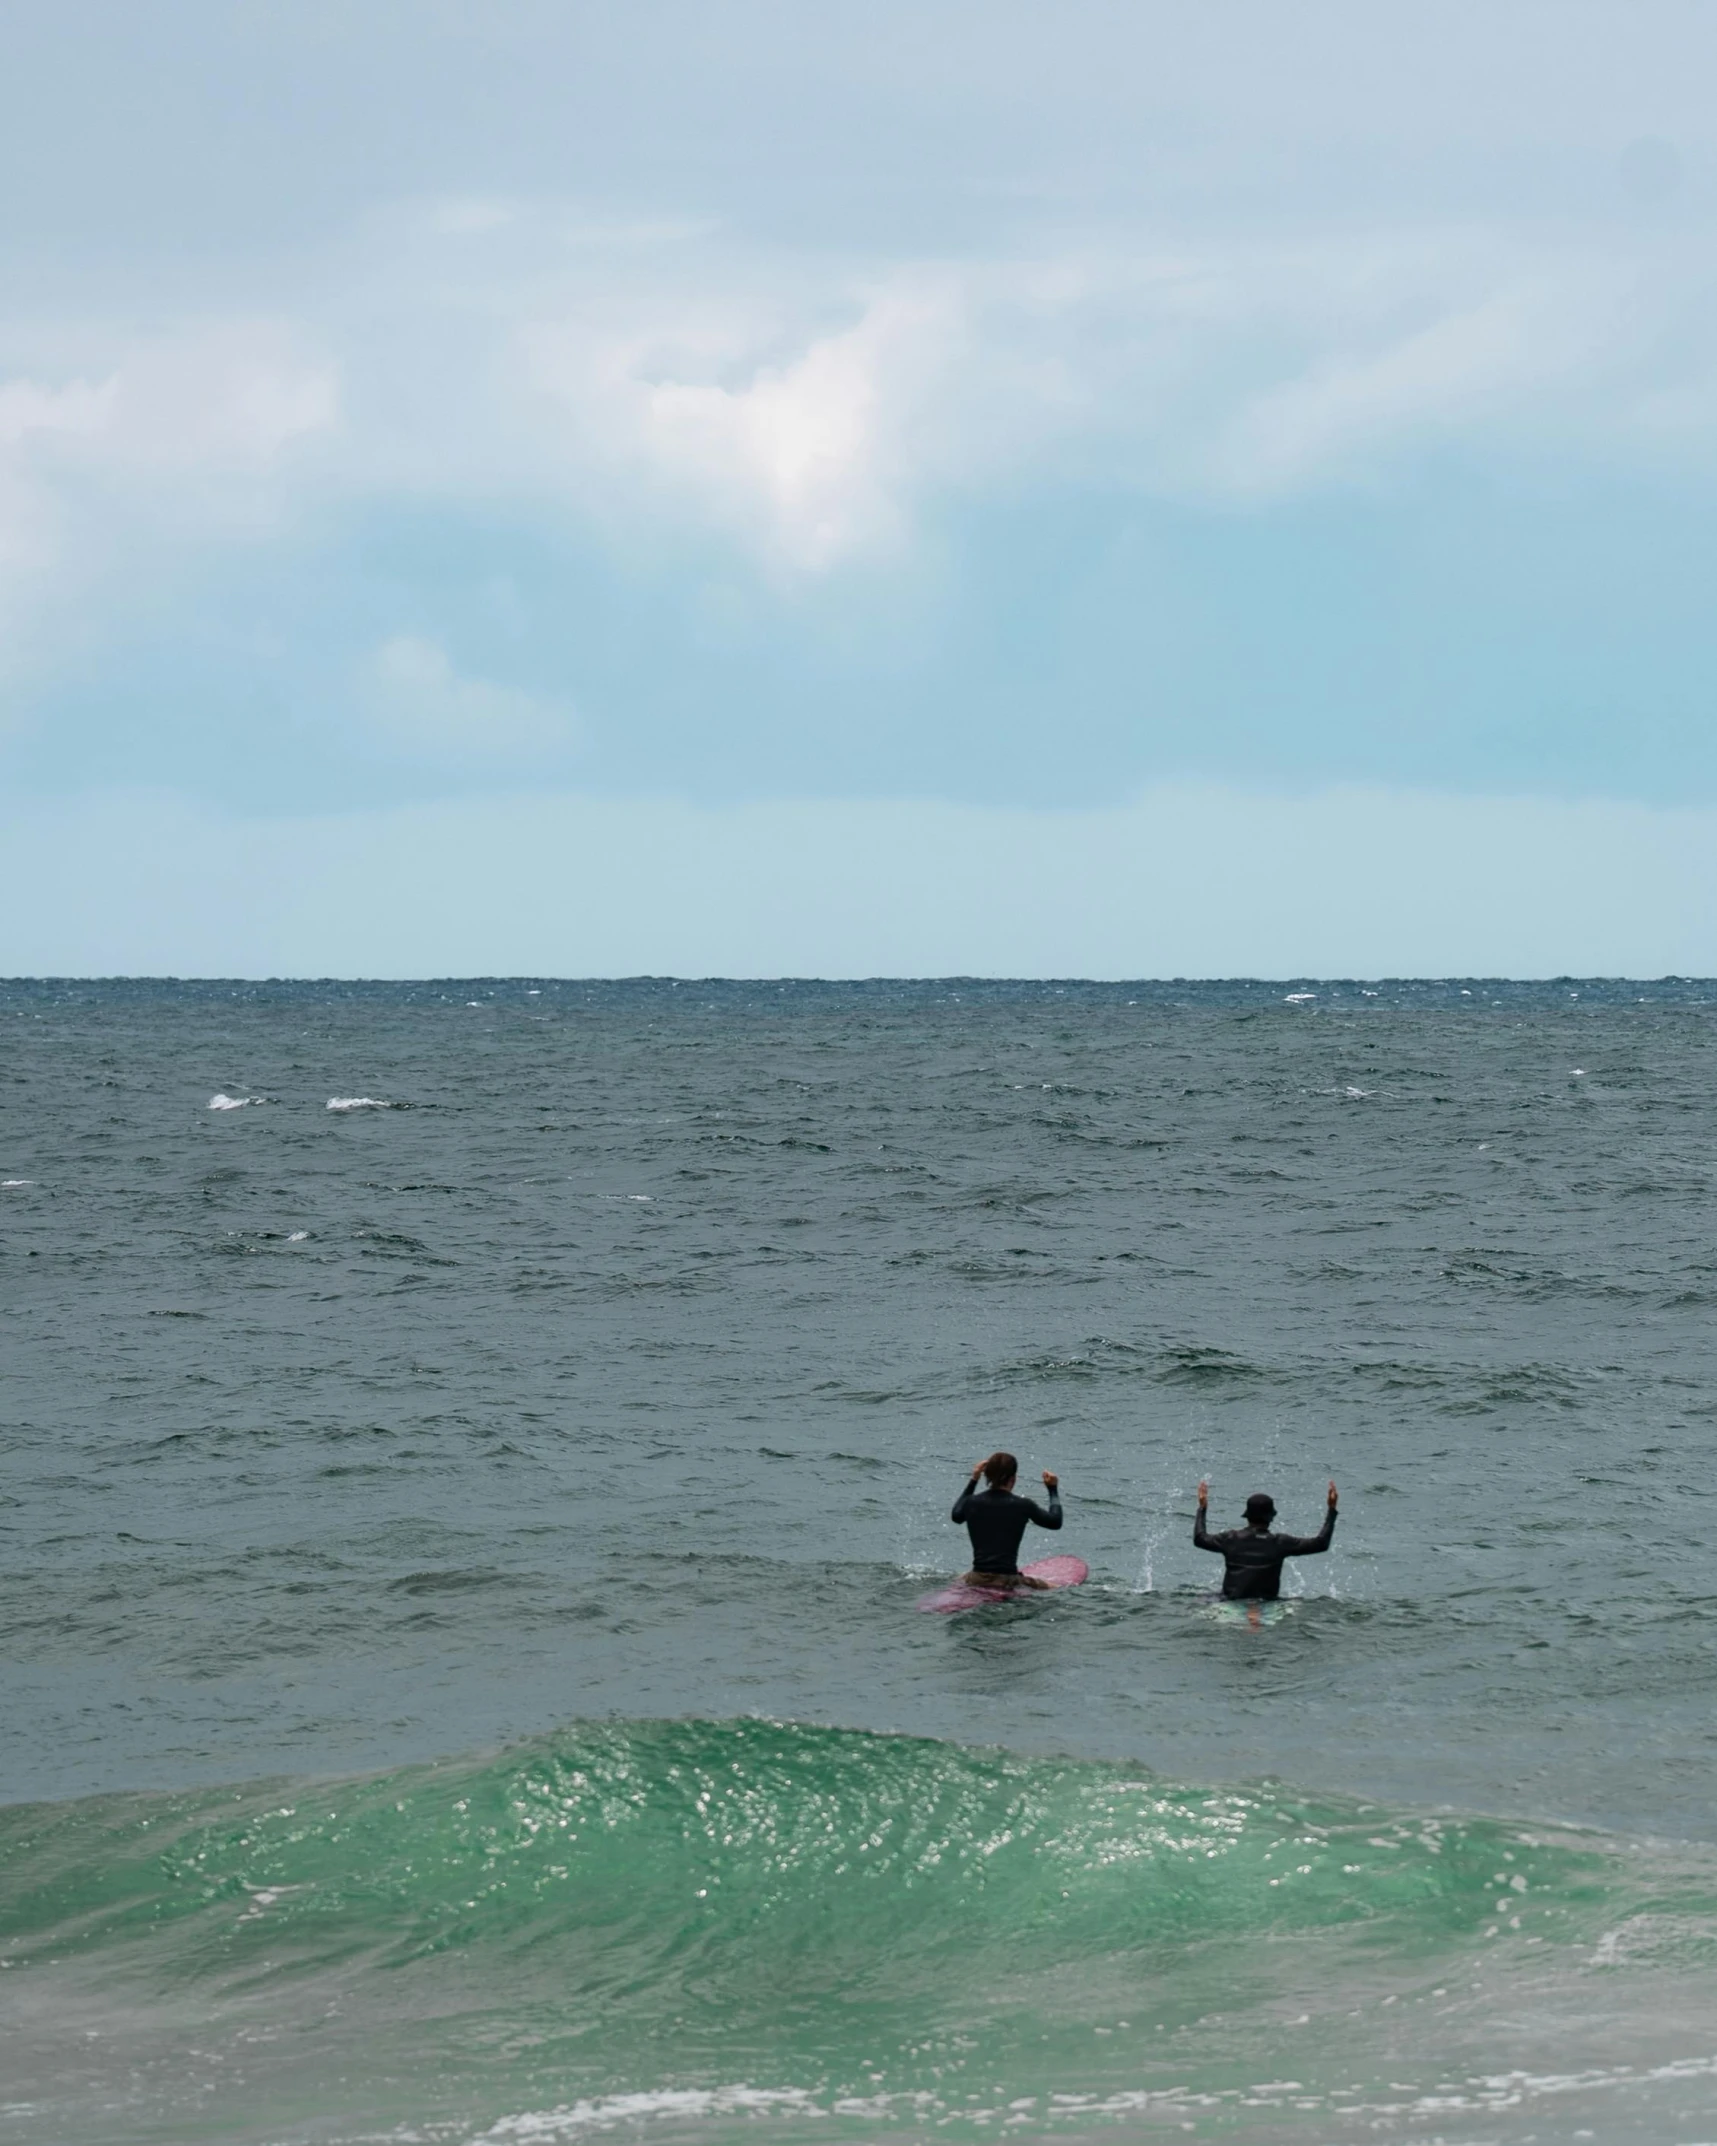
(1054, 1572)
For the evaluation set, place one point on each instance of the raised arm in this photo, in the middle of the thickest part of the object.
(966, 1496)
(1310, 1545)
(1050, 1518)
(1200, 1539)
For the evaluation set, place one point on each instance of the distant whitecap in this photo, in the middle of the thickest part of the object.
(297, 1236)
(1298, 998)
(13, 1184)
(234, 1102)
(359, 1102)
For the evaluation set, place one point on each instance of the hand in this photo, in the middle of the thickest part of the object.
(1203, 1496)
(1332, 1497)
(1051, 1482)
(979, 1469)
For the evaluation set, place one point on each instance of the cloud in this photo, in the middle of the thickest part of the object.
(1352, 406)
(780, 290)
(814, 415)
(167, 439)
(760, 416)
(421, 708)
(221, 397)
(29, 410)
(226, 399)
(683, 398)
(657, 379)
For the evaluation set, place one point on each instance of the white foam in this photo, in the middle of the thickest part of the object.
(359, 1102)
(1482, 2095)
(1298, 998)
(607, 2110)
(298, 1236)
(12, 1184)
(234, 1102)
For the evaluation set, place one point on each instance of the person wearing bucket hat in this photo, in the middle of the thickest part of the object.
(1252, 1556)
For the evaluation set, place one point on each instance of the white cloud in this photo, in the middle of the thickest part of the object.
(662, 378)
(1355, 404)
(1144, 249)
(421, 707)
(1221, 370)
(228, 399)
(27, 409)
(176, 438)
(225, 397)
(794, 433)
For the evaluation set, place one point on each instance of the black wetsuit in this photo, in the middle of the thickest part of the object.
(996, 1519)
(1252, 1557)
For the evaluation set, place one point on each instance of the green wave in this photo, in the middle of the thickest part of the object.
(633, 1907)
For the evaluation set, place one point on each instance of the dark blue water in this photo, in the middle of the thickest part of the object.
(582, 1405)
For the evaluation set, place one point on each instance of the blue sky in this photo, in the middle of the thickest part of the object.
(1246, 474)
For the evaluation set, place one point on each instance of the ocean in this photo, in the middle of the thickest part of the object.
(471, 1452)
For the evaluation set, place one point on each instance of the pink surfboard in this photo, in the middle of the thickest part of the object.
(1052, 1571)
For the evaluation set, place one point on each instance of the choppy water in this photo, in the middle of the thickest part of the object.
(461, 1677)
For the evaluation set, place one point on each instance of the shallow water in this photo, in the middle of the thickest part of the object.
(596, 1388)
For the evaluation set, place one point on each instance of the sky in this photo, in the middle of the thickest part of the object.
(920, 488)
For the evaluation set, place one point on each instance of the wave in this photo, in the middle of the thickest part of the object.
(833, 1921)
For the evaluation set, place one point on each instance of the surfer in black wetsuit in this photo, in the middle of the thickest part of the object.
(1252, 1556)
(996, 1519)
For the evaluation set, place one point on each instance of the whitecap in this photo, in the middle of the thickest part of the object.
(690, 2102)
(1298, 998)
(223, 1101)
(297, 1236)
(15, 1184)
(359, 1102)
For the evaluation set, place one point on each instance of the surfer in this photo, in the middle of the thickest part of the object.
(996, 1519)
(1252, 1556)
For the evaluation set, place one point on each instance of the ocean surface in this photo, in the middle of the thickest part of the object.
(470, 1454)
